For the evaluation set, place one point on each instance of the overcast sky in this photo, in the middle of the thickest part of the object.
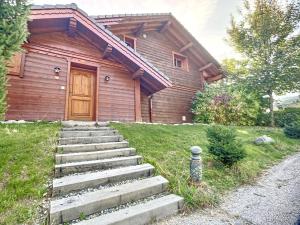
(205, 19)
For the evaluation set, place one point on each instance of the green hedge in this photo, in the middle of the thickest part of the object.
(282, 117)
(292, 130)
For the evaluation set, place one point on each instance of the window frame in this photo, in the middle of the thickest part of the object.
(15, 65)
(183, 59)
(132, 38)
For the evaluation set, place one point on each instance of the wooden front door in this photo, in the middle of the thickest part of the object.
(82, 95)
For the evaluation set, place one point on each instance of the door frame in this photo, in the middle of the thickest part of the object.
(83, 64)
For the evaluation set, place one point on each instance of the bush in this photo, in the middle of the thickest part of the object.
(225, 105)
(224, 146)
(13, 32)
(292, 130)
(287, 116)
(282, 117)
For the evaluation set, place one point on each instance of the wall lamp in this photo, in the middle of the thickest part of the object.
(107, 78)
(57, 70)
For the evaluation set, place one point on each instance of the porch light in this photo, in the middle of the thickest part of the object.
(57, 70)
(107, 78)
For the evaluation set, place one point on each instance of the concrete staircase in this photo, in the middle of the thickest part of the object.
(99, 180)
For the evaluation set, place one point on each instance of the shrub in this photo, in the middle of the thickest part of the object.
(282, 117)
(224, 146)
(225, 105)
(13, 32)
(292, 130)
(287, 116)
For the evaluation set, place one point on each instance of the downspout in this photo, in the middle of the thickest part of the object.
(150, 108)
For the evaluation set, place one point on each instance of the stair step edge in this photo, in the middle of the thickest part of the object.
(92, 144)
(93, 152)
(140, 214)
(66, 209)
(97, 161)
(91, 179)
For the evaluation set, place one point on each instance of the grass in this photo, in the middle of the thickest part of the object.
(167, 148)
(26, 164)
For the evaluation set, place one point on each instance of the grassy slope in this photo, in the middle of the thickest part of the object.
(26, 163)
(167, 148)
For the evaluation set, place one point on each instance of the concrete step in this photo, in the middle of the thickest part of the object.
(96, 155)
(78, 167)
(90, 140)
(140, 214)
(68, 134)
(66, 209)
(78, 182)
(85, 128)
(71, 123)
(92, 147)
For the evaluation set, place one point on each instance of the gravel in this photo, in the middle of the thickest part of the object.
(123, 206)
(97, 188)
(273, 200)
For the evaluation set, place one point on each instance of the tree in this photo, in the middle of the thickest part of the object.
(13, 33)
(267, 38)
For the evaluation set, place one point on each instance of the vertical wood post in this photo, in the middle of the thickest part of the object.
(137, 98)
(67, 89)
(150, 108)
(97, 94)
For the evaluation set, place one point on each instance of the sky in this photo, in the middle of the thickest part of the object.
(206, 20)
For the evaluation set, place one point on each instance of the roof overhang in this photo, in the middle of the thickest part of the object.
(166, 23)
(152, 80)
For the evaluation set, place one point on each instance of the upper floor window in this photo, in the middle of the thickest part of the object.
(180, 61)
(130, 41)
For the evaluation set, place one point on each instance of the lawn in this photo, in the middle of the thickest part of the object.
(26, 164)
(167, 148)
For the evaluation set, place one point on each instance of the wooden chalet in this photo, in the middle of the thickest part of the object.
(144, 67)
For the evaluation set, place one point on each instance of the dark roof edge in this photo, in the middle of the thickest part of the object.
(208, 55)
(75, 7)
(129, 15)
(194, 39)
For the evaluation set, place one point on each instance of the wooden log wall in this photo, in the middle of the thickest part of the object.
(40, 95)
(171, 104)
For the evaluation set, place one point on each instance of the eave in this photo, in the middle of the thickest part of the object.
(117, 48)
(165, 23)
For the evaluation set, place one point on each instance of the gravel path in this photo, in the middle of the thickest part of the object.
(273, 200)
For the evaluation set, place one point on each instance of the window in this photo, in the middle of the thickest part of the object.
(130, 41)
(16, 64)
(180, 61)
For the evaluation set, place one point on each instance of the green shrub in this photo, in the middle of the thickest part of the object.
(292, 130)
(287, 116)
(224, 146)
(225, 105)
(282, 117)
(13, 32)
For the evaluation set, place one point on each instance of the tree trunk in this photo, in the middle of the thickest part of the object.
(271, 108)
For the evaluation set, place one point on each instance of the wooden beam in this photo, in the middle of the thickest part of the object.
(137, 74)
(137, 99)
(140, 30)
(205, 74)
(205, 67)
(72, 27)
(214, 78)
(165, 26)
(187, 46)
(202, 82)
(107, 51)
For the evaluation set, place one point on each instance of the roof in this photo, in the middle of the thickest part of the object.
(177, 30)
(72, 11)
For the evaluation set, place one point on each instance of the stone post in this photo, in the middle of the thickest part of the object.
(196, 164)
